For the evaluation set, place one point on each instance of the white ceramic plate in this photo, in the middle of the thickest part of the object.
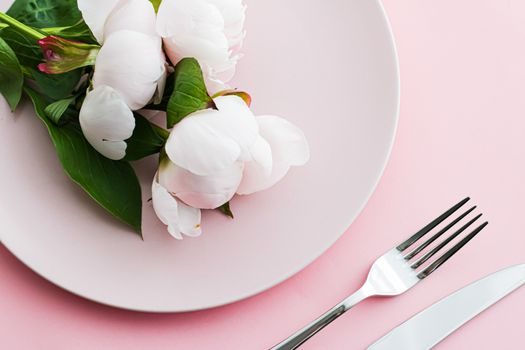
(328, 66)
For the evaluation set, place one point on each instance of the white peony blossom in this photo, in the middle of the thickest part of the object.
(209, 30)
(213, 154)
(207, 151)
(210, 141)
(106, 122)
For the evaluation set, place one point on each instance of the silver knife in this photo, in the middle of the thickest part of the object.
(430, 326)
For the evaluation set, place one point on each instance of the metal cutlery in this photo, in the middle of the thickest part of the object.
(397, 270)
(426, 329)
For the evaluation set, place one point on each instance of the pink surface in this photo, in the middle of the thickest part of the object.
(461, 133)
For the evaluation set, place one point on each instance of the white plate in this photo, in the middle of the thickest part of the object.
(328, 66)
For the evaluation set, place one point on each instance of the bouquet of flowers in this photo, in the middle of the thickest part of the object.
(91, 67)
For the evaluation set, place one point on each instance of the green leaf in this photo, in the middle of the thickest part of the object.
(3, 26)
(226, 210)
(147, 139)
(156, 4)
(27, 49)
(189, 94)
(57, 86)
(112, 184)
(46, 13)
(78, 32)
(11, 75)
(55, 111)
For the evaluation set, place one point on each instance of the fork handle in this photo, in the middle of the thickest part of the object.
(301, 336)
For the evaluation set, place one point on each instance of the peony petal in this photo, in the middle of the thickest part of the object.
(196, 146)
(106, 122)
(234, 14)
(212, 53)
(215, 85)
(189, 220)
(210, 141)
(176, 17)
(205, 192)
(133, 64)
(135, 15)
(161, 86)
(179, 217)
(288, 142)
(95, 14)
(289, 148)
(261, 153)
(166, 208)
(217, 82)
(237, 122)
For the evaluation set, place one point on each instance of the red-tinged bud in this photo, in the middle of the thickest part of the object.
(62, 55)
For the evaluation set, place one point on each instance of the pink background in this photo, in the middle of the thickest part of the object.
(461, 132)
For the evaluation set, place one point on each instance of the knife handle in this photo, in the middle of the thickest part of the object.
(301, 336)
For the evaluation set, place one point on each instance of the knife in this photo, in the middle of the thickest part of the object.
(430, 326)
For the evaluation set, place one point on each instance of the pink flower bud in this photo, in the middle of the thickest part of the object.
(62, 55)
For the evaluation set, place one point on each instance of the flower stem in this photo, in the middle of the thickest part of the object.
(21, 27)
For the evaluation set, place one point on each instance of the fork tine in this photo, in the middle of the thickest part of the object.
(436, 264)
(429, 241)
(403, 246)
(437, 248)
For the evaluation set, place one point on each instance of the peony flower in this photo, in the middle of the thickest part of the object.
(209, 30)
(106, 121)
(133, 64)
(213, 154)
(179, 217)
(210, 141)
(206, 152)
(104, 17)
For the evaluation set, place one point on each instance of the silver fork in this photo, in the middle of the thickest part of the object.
(396, 271)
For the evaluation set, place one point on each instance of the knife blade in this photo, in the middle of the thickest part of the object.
(433, 324)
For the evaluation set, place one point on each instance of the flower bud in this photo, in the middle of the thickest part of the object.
(62, 55)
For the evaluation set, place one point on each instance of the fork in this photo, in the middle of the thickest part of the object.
(396, 271)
